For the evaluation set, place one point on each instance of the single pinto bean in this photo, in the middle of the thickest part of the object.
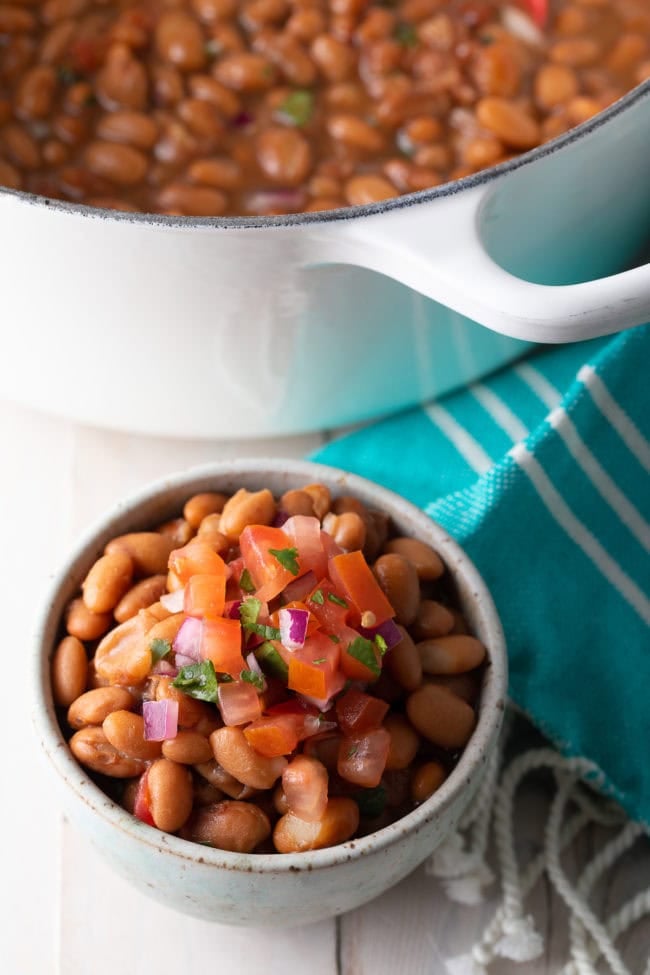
(80, 622)
(245, 72)
(220, 172)
(133, 128)
(35, 93)
(335, 59)
(440, 716)
(125, 731)
(427, 562)
(177, 529)
(123, 80)
(433, 620)
(201, 505)
(179, 40)
(426, 780)
(123, 656)
(339, 822)
(148, 550)
(199, 201)
(399, 580)
(121, 164)
(467, 686)
(353, 131)
(91, 748)
(284, 155)
(230, 825)
(140, 596)
(188, 748)
(170, 794)
(217, 776)
(404, 742)
(347, 529)
(107, 581)
(320, 498)
(508, 122)
(69, 671)
(233, 752)
(297, 502)
(451, 654)
(368, 188)
(246, 508)
(403, 662)
(94, 706)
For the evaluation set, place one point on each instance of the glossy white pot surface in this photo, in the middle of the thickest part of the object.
(241, 327)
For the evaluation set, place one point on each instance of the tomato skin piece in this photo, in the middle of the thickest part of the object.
(352, 575)
(538, 10)
(268, 574)
(142, 804)
(205, 596)
(274, 735)
(362, 760)
(196, 558)
(358, 713)
(221, 643)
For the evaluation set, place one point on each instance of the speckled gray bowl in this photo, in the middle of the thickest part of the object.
(265, 889)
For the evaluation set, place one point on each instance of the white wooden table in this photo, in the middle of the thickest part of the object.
(63, 911)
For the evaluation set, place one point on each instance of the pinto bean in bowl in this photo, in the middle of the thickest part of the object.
(314, 804)
(219, 107)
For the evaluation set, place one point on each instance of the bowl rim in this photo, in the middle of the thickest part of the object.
(303, 219)
(84, 790)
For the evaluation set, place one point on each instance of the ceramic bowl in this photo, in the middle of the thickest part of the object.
(265, 889)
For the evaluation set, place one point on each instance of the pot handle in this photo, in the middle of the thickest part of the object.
(453, 267)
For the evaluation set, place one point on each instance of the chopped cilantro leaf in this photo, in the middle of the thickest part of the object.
(320, 660)
(67, 75)
(333, 638)
(333, 598)
(371, 802)
(198, 681)
(352, 751)
(249, 610)
(271, 661)
(288, 559)
(406, 34)
(212, 48)
(159, 649)
(317, 597)
(245, 582)
(363, 651)
(297, 108)
(252, 677)
(381, 644)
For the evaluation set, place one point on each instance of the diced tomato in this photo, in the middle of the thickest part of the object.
(329, 607)
(352, 575)
(305, 535)
(330, 547)
(292, 706)
(142, 805)
(267, 572)
(205, 596)
(324, 703)
(312, 623)
(312, 668)
(538, 10)
(221, 643)
(358, 713)
(299, 588)
(239, 703)
(362, 760)
(325, 748)
(274, 735)
(352, 667)
(196, 558)
(233, 588)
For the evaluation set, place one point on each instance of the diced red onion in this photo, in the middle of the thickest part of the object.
(165, 669)
(521, 26)
(231, 610)
(314, 725)
(241, 120)
(160, 720)
(296, 591)
(280, 519)
(388, 630)
(183, 661)
(173, 601)
(187, 641)
(293, 627)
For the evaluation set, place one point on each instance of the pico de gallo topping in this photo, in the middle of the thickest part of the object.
(296, 656)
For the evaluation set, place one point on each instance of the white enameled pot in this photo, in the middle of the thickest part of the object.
(240, 327)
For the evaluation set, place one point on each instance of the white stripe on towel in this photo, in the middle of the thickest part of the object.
(500, 412)
(540, 385)
(463, 441)
(608, 490)
(580, 534)
(627, 430)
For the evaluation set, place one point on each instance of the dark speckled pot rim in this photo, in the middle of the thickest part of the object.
(346, 213)
(77, 782)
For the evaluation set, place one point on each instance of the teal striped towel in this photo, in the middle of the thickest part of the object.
(542, 473)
